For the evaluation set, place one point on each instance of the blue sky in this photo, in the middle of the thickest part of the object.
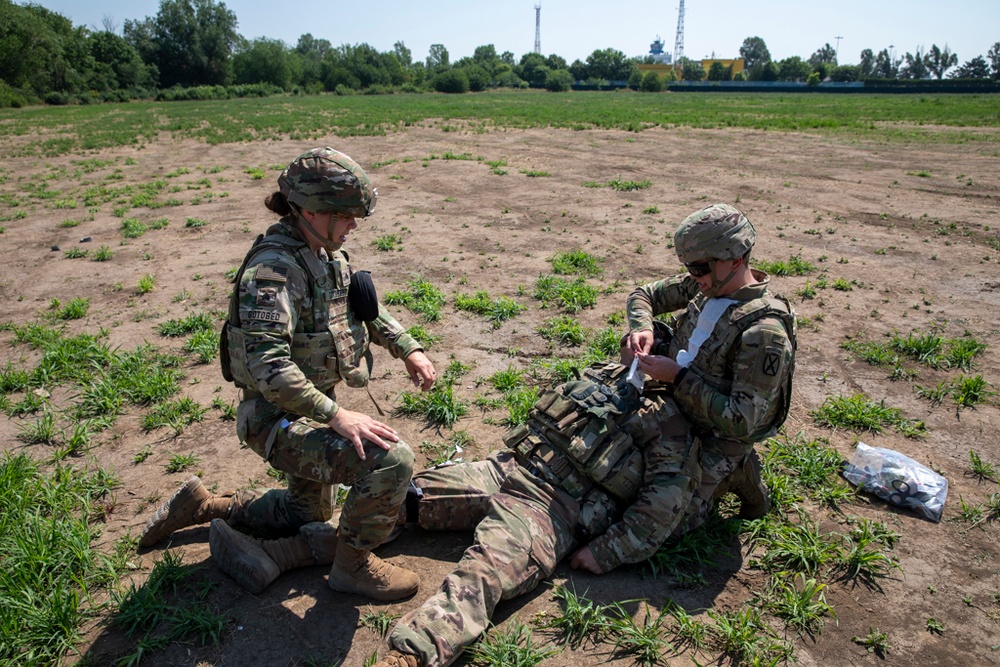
(575, 28)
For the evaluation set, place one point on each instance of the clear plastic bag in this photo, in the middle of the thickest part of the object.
(898, 479)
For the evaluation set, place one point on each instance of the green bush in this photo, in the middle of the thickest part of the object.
(558, 81)
(452, 81)
(651, 83)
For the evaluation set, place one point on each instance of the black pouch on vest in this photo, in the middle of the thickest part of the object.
(362, 296)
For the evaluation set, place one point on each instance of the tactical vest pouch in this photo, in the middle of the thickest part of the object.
(309, 352)
(236, 357)
(227, 372)
(572, 435)
(626, 478)
(350, 338)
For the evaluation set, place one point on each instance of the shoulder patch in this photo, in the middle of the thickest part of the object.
(275, 274)
(771, 361)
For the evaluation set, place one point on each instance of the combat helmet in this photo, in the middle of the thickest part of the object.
(323, 180)
(719, 231)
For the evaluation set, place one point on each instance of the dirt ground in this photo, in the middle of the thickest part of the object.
(908, 223)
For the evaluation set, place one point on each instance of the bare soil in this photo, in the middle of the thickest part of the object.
(908, 223)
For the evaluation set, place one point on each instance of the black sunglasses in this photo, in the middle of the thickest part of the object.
(701, 269)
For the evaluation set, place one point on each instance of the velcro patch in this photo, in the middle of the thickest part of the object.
(260, 315)
(267, 297)
(771, 361)
(276, 274)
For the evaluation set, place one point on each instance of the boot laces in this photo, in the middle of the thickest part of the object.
(377, 568)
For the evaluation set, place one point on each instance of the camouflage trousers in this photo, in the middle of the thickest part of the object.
(719, 458)
(524, 527)
(315, 459)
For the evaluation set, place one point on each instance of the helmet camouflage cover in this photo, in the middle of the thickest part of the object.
(324, 179)
(719, 231)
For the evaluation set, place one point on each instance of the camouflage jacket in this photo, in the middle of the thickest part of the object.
(738, 384)
(299, 335)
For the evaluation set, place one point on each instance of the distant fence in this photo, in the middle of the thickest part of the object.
(869, 86)
(903, 86)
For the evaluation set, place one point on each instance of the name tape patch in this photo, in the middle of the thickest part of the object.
(268, 316)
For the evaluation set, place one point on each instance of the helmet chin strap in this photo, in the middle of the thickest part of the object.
(717, 284)
(327, 241)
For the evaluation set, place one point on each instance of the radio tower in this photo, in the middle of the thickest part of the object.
(679, 41)
(538, 28)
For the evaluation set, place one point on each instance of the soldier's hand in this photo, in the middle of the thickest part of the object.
(584, 559)
(420, 369)
(658, 367)
(357, 426)
(640, 341)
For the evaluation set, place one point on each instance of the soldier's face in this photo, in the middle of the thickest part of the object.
(336, 225)
(714, 281)
(341, 226)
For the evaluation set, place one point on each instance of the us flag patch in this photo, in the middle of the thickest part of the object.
(275, 274)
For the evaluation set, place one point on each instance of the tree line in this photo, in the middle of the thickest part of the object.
(191, 50)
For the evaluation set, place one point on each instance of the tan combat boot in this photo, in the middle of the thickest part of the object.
(745, 482)
(190, 505)
(361, 572)
(255, 563)
(397, 659)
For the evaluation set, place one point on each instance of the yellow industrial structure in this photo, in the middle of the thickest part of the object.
(662, 70)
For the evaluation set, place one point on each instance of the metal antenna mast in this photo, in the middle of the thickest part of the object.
(679, 41)
(837, 52)
(538, 28)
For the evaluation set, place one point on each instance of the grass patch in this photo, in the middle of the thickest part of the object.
(570, 295)
(563, 330)
(808, 466)
(169, 607)
(74, 310)
(513, 646)
(439, 406)
(893, 118)
(387, 242)
(50, 566)
(146, 284)
(204, 345)
(176, 414)
(629, 186)
(420, 334)
(794, 266)
(420, 297)
(575, 262)
(497, 310)
(193, 323)
(133, 228)
(937, 351)
(858, 413)
(875, 641)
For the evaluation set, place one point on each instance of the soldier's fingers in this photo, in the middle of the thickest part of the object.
(359, 447)
(380, 429)
(375, 440)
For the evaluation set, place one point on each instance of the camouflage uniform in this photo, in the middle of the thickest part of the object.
(298, 337)
(525, 525)
(736, 389)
